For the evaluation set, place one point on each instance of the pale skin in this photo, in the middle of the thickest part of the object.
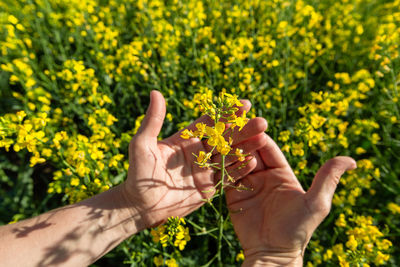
(162, 181)
(275, 220)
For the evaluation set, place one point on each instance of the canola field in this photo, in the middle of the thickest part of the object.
(75, 78)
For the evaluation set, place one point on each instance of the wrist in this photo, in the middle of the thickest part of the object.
(273, 259)
(131, 219)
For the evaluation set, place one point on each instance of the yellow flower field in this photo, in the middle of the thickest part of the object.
(75, 78)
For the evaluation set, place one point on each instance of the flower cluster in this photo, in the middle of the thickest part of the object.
(365, 243)
(222, 112)
(218, 136)
(172, 233)
(22, 133)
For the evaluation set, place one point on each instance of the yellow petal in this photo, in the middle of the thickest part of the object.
(220, 127)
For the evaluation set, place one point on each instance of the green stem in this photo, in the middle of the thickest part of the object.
(213, 207)
(221, 217)
(202, 230)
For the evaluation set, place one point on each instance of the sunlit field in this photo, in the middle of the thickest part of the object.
(75, 79)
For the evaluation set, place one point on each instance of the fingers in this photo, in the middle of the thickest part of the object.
(260, 164)
(203, 119)
(272, 156)
(252, 128)
(237, 171)
(154, 119)
(325, 182)
(248, 146)
(246, 107)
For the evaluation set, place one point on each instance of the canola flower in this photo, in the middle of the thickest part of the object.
(174, 234)
(219, 137)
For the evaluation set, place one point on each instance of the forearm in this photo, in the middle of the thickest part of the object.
(74, 235)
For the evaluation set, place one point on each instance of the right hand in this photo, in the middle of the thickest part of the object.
(163, 178)
(275, 220)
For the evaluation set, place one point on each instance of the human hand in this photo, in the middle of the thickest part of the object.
(163, 180)
(276, 219)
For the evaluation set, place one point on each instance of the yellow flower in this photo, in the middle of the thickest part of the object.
(169, 116)
(158, 261)
(138, 123)
(317, 121)
(159, 235)
(241, 121)
(224, 148)
(215, 134)
(240, 256)
(186, 134)
(284, 136)
(343, 262)
(385, 244)
(352, 243)
(216, 138)
(171, 263)
(328, 254)
(239, 154)
(275, 63)
(74, 182)
(286, 148)
(202, 158)
(181, 243)
(12, 19)
(341, 221)
(360, 150)
(220, 127)
(231, 100)
(381, 258)
(6, 143)
(201, 130)
(302, 164)
(21, 115)
(375, 138)
(368, 247)
(156, 236)
(377, 173)
(36, 159)
(58, 137)
(115, 160)
(297, 149)
(394, 208)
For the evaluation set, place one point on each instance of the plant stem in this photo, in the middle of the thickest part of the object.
(221, 217)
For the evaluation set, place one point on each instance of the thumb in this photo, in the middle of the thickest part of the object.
(154, 118)
(325, 182)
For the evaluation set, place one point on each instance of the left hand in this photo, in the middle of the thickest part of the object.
(163, 180)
